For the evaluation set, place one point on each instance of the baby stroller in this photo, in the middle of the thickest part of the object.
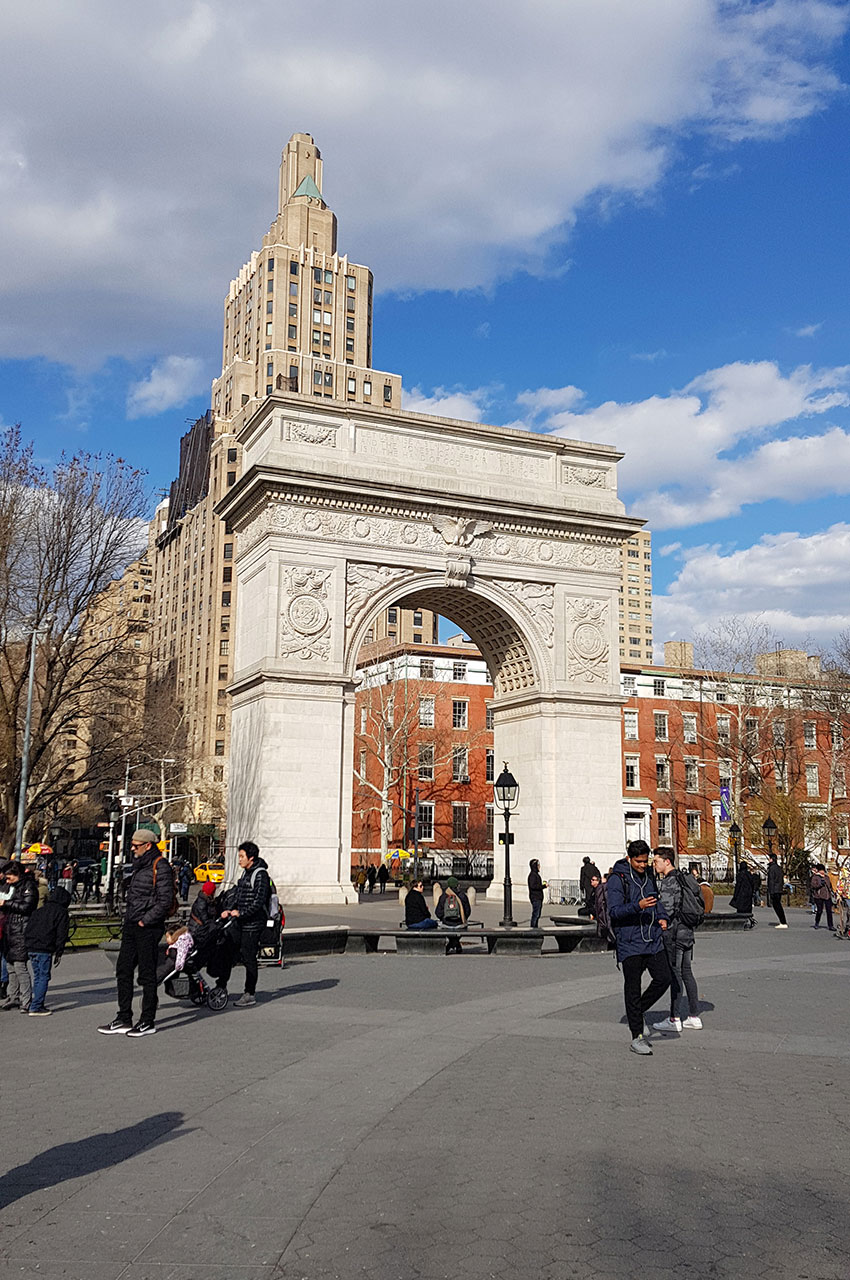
(188, 984)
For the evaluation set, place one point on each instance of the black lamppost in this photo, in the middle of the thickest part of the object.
(735, 833)
(769, 828)
(506, 795)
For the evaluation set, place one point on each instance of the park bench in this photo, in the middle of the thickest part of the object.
(419, 942)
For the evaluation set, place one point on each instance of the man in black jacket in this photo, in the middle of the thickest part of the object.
(248, 904)
(150, 898)
(46, 935)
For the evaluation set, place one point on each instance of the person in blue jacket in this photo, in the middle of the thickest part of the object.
(639, 920)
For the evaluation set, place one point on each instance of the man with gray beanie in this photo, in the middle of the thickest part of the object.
(150, 900)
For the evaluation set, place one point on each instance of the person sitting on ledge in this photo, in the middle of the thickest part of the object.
(416, 913)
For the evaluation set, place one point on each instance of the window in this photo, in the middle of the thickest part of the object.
(426, 713)
(810, 734)
(426, 763)
(460, 823)
(460, 713)
(489, 718)
(231, 478)
(779, 733)
(219, 747)
(293, 289)
(218, 773)
(417, 617)
(224, 648)
(460, 764)
(836, 734)
(362, 769)
(724, 773)
(660, 721)
(293, 268)
(329, 277)
(350, 283)
(779, 776)
(812, 781)
(364, 715)
(723, 723)
(367, 388)
(219, 723)
(488, 818)
(293, 310)
(222, 673)
(426, 668)
(292, 332)
(426, 820)
(665, 826)
(388, 394)
(228, 550)
(658, 688)
(840, 783)
(392, 615)
(691, 775)
(327, 318)
(227, 574)
(490, 765)
(629, 685)
(459, 671)
(630, 722)
(632, 773)
(689, 727)
(751, 729)
(225, 599)
(841, 835)
(231, 455)
(662, 773)
(693, 820)
(417, 637)
(754, 779)
(317, 274)
(352, 386)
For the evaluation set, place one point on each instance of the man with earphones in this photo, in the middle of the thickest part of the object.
(639, 921)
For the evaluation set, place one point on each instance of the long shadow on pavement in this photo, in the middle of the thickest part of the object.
(88, 1155)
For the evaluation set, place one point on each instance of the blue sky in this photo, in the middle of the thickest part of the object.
(619, 222)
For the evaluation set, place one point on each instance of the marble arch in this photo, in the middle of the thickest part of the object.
(343, 510)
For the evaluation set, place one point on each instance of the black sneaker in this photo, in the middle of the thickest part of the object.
(142, 1029)
(115, 1028)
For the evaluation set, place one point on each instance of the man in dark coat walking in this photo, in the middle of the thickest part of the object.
(150, 897)
(775, 885)
(535, 892)
(639, 921)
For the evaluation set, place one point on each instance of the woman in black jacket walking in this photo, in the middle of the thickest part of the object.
(535, 892)
(775, 885)
(17, 910)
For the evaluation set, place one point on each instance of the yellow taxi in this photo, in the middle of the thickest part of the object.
(210, 871)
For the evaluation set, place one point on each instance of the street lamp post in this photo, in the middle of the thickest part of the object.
(25, 753)
(735, 833)
(114, 817)
(506, 796)
(769, 828)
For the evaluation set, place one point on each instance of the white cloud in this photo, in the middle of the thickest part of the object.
(650, 356)
(705, 451)
(144, 190)
(171, 382)
(808, 330)
(793, 583)
(448, 403)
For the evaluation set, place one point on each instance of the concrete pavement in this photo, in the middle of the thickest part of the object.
(398, 1118)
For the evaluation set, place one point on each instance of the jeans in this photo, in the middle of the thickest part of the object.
(42, 966)
(820, 903)
(637, 1004)
(683, 978)
(20, 986)
(536, 909)
(429, 923)
(139, 948)
(776, 903)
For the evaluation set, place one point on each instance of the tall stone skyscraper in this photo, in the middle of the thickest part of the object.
(297, 321)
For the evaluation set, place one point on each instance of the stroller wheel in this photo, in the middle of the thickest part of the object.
(199, 996)
(217, 999)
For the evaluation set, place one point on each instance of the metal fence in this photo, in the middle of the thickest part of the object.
(564, 891)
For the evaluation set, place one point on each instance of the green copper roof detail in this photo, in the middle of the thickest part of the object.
(307, 187)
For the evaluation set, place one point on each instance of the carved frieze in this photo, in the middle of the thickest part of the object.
(405, 531)
(447, 454)
(311, 433)
(587, 640)
(589, 477)
(305, 623)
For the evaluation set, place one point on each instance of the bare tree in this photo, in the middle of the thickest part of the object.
(64, 535)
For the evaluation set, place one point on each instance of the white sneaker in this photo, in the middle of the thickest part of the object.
(692, 1024)
(670, 1026)
(780, 926)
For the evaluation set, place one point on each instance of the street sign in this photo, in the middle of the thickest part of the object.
(510, 838)
(177, 828)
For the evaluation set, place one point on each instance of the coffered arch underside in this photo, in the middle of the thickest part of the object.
(502, 644)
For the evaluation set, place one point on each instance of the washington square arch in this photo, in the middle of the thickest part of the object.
(342, 511)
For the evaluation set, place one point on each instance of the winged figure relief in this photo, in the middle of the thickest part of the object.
(458, 531)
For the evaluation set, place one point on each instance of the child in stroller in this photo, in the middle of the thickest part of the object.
(190, 950)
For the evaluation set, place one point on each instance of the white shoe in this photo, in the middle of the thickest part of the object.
(780, 926)
(692, 1024)
(670, 1026)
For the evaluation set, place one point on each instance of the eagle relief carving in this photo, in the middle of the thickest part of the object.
(459, 531)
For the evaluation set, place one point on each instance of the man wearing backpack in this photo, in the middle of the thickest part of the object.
(248, 904)
(682, 900)
(639, 921)
(150, 900)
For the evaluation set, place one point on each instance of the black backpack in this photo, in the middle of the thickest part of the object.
(692, 906)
